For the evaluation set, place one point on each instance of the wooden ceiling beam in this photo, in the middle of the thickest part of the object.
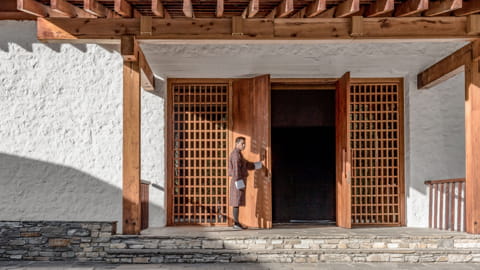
(442, 7)
(470, 7)
(95, 8)
(123, 8)
(315, 8)
(347, 8)
(188, 9)
(67, 9)
(283, 10)
(411, 7)
(380, 7)
(252, 9)
(445, 68)
(220, 8)
(33, 7)
(159, 10)
(393, 28)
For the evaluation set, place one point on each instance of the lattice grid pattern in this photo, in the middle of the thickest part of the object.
(375, 148)
(200, 152)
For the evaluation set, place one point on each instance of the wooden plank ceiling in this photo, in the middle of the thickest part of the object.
(244, 8)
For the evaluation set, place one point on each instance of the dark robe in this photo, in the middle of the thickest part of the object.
(238, 169)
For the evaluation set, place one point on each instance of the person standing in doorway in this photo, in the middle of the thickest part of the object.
(238, 169)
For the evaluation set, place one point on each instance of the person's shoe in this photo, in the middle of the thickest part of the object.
(238, 227)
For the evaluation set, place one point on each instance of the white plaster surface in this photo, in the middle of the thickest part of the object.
(61, 115)
(61, 130)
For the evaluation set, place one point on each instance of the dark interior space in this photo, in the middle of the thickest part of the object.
(303, 155)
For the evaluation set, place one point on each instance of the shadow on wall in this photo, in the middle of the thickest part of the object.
(38, 190)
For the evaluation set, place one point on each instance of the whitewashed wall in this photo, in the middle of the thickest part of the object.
(61, 131)
(61, 113)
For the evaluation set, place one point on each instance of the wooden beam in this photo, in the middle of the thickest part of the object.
(283, 10)
(253, 8)
(67, 9)
(220, 8)
(159, 10)
(347, 8)
(411, 7)
(131, 142)
(33, 7)
(357, 26)
(104, 30)
(329, 13)
(380, 7)
(188, 9)
(128, 48)
(445, 68)
(472, 145)
(123, 8)
(315, 8)
(9, 11)
(470, 7)
(145, 26)
(95, 8)
(147, 77)
(473, 24)
(442, 7)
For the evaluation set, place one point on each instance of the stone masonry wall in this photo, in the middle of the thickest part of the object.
(97, 241)
(55, 240)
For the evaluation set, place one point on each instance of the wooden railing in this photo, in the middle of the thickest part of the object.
(447, 204)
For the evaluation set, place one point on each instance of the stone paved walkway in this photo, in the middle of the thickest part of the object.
(231, 266)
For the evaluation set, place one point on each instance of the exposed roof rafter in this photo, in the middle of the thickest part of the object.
(64, 7)
(315, 8)
(442, 7)
(347, 8)
(283, 10)
(411, 7)
(252, 9)
(380, 7)
(188, 9)
(95, 8)
(159, 10)
(468, 8)
(220, 8)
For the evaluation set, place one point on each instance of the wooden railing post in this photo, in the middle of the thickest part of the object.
(442, 213)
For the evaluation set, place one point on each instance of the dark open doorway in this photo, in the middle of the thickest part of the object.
(303, 154)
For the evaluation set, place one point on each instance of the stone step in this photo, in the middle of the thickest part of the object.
(288, 256)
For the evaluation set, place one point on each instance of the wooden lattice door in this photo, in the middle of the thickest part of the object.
(198, 150)
(376, 145)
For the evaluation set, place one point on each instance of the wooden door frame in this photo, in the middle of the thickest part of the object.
(279, 84)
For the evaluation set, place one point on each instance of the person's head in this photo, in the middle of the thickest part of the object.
(240, 143)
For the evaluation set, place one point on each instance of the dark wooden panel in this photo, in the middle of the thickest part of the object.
(144, 199)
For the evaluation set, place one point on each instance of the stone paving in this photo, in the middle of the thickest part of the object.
(231, 266)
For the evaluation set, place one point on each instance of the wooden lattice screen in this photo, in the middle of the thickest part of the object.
(376, 135)
(200, 150)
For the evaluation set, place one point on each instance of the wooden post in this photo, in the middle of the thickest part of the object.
(131, 141)
(472, 144)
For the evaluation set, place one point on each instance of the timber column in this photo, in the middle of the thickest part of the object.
(472, 141)
(131, 137)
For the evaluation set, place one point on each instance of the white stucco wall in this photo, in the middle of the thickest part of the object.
(61, 115)
(61, 131)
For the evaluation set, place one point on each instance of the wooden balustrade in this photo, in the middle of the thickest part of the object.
(447, 204)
